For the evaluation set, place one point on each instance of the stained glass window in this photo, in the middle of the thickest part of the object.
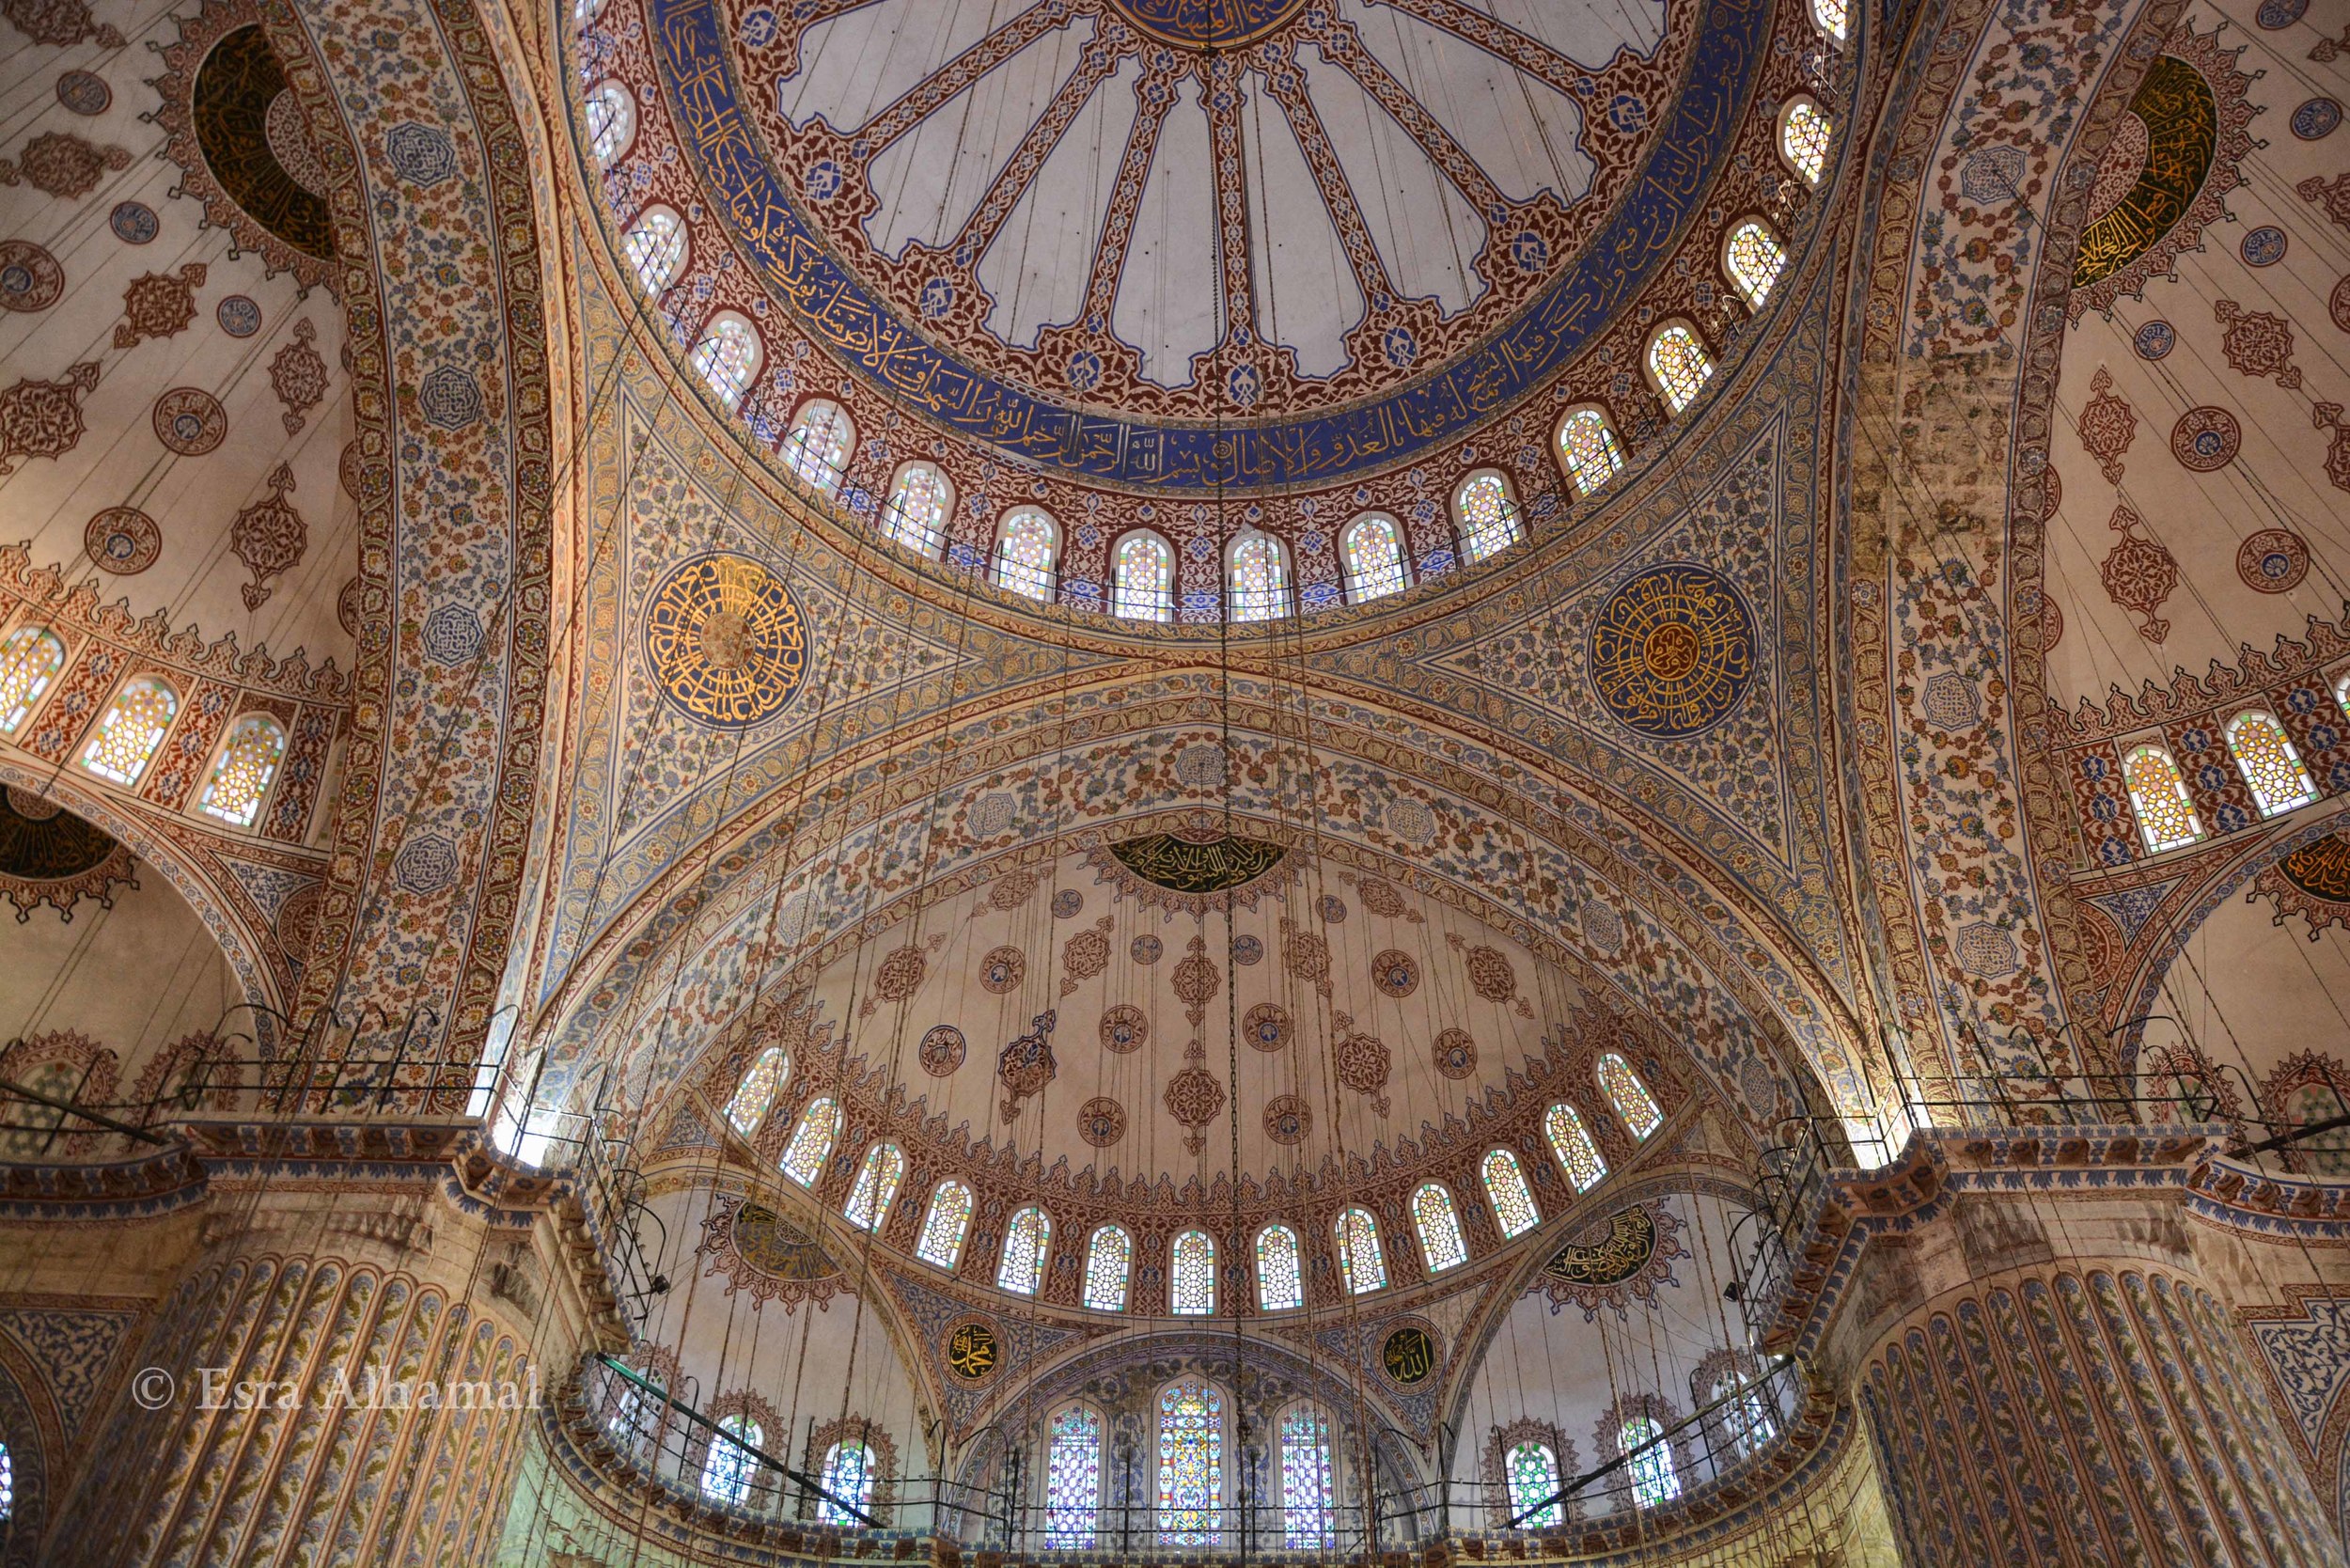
(1374, 552)
(811, 1142)
(1306, 1521)
(1534, 1480)
(130, 731)
(816, 449)
(584, 11)
(655, 247)
(916, 516)
(1587, 443)
(242, 775)
(1680, 364)
(1803, 134)
(1361, 1267)
(727, 356)
(1259, 580)
(1832, 17)
(1629, 1095)
(2166, 817)
(756, 1090)
(8, 1484)
(1142, 579)
(1192, 1277)
(29, 660)
(1745, 1417)
(627, 1423)
(849, 1476)
(611, 122)
(2322, 1154)
(1281, 1283)
(1505, 1186)
(1488, 518)
(1107, 1257)
(1191, 1464)
(2342, 695)
(1072, 1482)
(1753, 258)
(2272, 769)
(1650, 1461)
(1439, 1229)
(1024, 547)
(1572, 1143)
(727, 1473)
(1022, 1268)
(944, 1227)
(876, 1187)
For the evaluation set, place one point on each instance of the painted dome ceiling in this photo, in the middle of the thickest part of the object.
(1094, 233)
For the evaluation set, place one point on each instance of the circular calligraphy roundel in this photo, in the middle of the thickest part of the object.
(727, 641)
(1672, 651)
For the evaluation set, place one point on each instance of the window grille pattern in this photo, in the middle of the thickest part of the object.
(130, 731)
(2271, 768)
(29, 660)
(1439, 1229)
(1587, 442)
(611, 115)
(1259, 580)
(1191, 1276)
(849, 1476)
(1803, 139)
(656, 248)
(1629, 1095)
(1489, 522)
(1754, 259)
(945, 1226)
(811, 1142)
(1506, 1188)
(1306, 1524)
(1746, 1416)
(1191, 1464)
(1374, 558)
(1281, 1281)
(242, 775)
(1680, 364)
(728, 357)
(1142, 579)
(1361, 1267)
(1026, 1239)
(1572, 1143)
(1534, 1479)
(816, 449)
(728, 1472)
(1650, 1461)
(916, 516)
(1073, 1486)
(1833, 18)
(757, 1092)
(1109, 1255)
(2166, 817)
(1025, 548)
(876, 1188)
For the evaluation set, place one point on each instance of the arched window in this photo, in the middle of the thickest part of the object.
(1072, 1481)
(1191, 1464)
(1587, 445)
(1634, 1104)
(816, 449)
(1306, 1522)
(1745, 1417)
(1280, 1282)
(1678, 364)
(8, 1484)
(1142, 578)
(1191, 1276)
(876, 1187)
(130, 731)
(584, 11)
(656, 248)
(1753, 258)
(727, 356)
(1361, 1267)
(756, 1090)
(1578, 1156)
(1534, 1483)
(1439, 1228)
(1804, 129)
(1650, 1460)
(945, 1226)
(1109, 1255)
(1257, 579)
(1022, 1268)
(1372, 549)
(1485, 515)
(2166, 817)
(1027, 544)
(242, 773)
(29, 660)
(611, 122)
(728, 1472)
(632, 1416)
(811, 1142)
(849, 1476)
(1832, 17)
(2272, 769)
(2342, 695)
(1506, 1189)
(916, 513)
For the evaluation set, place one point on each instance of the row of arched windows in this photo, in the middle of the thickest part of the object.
(2265, 760)
(1188, 1491)
(1192, 1271)
(131, 730)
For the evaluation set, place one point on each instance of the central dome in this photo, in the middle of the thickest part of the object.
(1208, 23)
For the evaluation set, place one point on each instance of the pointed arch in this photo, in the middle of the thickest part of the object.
(877, 1182)
(1804, 133)
(1191, 1276)
(1072, 1480)
(1678, 364)
(1752, 259)
(1191, 1464)
(243, 770)
(2272, 769)
(746, 1108)
(727, 356)
(1280, 1279)
(921, 498)
(1361, 1267)
(1588, 448)
(1256, 578)
(946, 1226)
(2166, 814)
(1441, 1245)
(132, 728)
(1578, 1156)
(1635, 1107)
(1512, 1201)
(811, 1142)
(656, 248)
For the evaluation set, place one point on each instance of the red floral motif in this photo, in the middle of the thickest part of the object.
(2338, 304)
(2273, 560)
(2338, 458)
(2051, 625)
(44, 418)
(1027, 1065)
(2205, 439)
(1381, 898)
(61, 164)
(1307, 956)
(347, 605)
(1456, 1054)
(298, 376)
(59, 23)
(1361, 1060)
(2257, 343)
(269, 537)
(1002, 970)
(1086, 955)
(157, 305)
(30, 278)
(190, 421)
(2332, 195)
(1010, 891)
(2140, 575)
(1101, 1122)
(1288, 1119)
(1267, 1027)
(1124, 1030)
(2107, 427)
(1194, 1098)
(1197, 980)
